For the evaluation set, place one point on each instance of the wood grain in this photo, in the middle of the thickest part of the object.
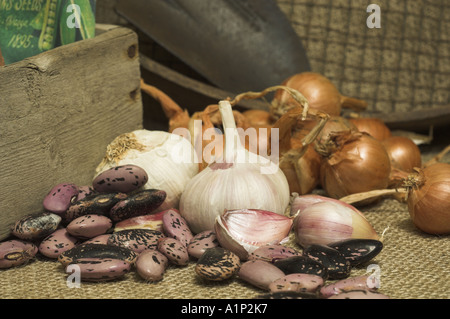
(59, 110)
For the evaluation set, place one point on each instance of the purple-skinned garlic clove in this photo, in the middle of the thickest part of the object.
(244, 230)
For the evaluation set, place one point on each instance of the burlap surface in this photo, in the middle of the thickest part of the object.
(400, 67)
(412, 265)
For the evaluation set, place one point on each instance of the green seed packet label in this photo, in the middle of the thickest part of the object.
(30, 27)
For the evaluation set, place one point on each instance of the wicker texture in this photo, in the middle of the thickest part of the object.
(400, 67)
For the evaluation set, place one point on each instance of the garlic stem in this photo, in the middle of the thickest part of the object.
(232, 140)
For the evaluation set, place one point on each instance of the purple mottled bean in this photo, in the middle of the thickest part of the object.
(271, 253)
(358, 251)
(175, 226)
(100, 239)
(137, 204)
(201, 242)
(337, 265)
(123, 179)
(57, 242)
(175, 251)
(303, 265)
(99, 204)
(138, 240)
(359, 294)
(16, 252)
(89, 226)
(353, 283)
(60, 197)
(99, 269)
(151, 265)
(36, 226)
(260, 273)
(297, 283)
(217, 264)
(85, 191)
(97, 251)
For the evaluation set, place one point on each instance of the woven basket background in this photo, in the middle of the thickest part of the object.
(400, 67)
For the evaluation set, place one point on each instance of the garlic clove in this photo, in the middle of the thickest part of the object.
(329, 221)
(227, 241)
(299, 203)
(244, 230)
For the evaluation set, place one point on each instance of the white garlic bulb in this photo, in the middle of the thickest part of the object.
(237, 180)
(167, 158)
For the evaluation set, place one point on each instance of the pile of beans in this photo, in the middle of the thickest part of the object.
(79, 227)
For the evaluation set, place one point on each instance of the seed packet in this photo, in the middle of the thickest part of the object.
(30, 27)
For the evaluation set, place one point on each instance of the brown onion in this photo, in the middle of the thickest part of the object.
(403, 152)
(373, 126)
(306, 177)
(354, 162)
(320, 92)
(429, 198)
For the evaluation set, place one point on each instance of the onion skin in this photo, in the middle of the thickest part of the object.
(359, 163)
(429, 199)
(333, 125)
(372, 126)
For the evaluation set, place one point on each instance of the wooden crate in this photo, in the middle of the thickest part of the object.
(59, 110)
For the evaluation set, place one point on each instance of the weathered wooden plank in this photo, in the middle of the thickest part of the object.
(58, 112)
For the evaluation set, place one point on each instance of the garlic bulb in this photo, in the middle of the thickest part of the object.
(238, 179)
(168, 159)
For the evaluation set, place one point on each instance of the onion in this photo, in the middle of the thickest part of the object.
(429, 198)
(354, 162)
(298, 159)
(304, 176)
(258, 118)
(335, 124)
(320, 92)
(372, 126)
(403, 153)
